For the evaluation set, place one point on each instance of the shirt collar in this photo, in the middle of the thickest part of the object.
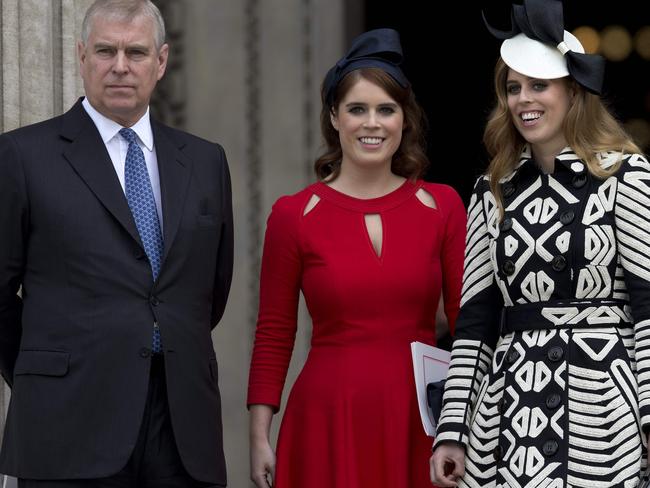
(109, 128)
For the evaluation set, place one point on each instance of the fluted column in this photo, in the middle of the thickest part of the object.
(39, 67)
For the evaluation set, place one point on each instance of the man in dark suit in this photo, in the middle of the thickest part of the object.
(119, 231)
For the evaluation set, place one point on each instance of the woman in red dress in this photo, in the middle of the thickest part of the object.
(371, 247)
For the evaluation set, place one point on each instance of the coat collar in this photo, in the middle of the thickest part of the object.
(566, 160)
(87, 154)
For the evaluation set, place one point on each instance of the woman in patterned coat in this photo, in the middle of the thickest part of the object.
(549, 382)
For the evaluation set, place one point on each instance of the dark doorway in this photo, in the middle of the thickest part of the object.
(452, 73)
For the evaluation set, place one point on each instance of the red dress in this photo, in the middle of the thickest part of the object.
(352, 419)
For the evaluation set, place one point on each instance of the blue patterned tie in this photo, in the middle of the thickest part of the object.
(139, 195)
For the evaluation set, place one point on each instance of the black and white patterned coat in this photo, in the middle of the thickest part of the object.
(549, 383)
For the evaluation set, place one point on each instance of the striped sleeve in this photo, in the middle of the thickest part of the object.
(632, 217)
(477, 327)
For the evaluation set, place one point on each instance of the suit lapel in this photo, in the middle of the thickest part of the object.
(88, 156)
(175, 170)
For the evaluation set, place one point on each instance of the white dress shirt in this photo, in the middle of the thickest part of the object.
(117, 147)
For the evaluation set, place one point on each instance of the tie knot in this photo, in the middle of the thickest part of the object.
(129, 135)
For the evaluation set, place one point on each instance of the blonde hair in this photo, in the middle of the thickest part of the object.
(589, 129)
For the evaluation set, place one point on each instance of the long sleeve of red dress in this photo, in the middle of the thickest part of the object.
(279, 293)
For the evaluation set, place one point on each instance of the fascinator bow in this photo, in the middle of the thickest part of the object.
(378, 48)
(543, 21)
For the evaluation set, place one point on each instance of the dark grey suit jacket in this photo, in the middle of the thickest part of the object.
(76, 347)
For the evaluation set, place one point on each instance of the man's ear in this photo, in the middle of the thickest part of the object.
(163, 55)
(334, 120)
(81, 53)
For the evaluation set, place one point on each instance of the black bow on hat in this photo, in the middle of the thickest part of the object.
(378, 48)
(543, 21)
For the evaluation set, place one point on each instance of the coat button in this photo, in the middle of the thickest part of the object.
(498, 453)
(553, 401)
(555, 353)
(139, 255)
(512, 357)
(567, 217)
(153, 299)
(506, 224)
(508, 267)
(558, 263)
(550, 448)
(579, 180)
(145, 353)
(508, 189)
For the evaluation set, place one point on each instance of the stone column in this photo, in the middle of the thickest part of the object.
(38, 79)
(39, 67)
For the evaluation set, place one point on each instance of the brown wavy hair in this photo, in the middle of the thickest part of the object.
(589, 128)
(410, 159)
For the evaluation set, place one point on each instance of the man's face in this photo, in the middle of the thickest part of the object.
(120, 67)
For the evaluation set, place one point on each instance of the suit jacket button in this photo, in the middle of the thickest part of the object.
(555, 353)
(498, 453)
(508, 268)
(506, 224)
(558, 263)
(139, 255)
(154, 300)
(145, 353)
(550, 448)
(567, 217)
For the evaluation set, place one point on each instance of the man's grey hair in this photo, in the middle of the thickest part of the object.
(124, 10)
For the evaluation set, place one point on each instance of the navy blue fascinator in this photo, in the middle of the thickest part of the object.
(378, 48)
(538, 46)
